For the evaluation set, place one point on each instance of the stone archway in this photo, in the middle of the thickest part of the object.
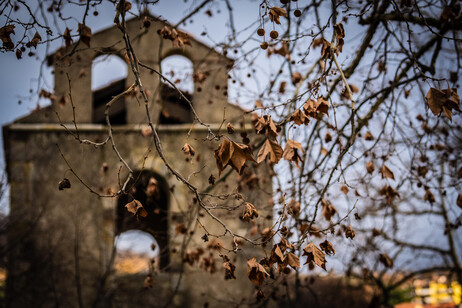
(152, 191)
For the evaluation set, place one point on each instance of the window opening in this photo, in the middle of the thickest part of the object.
(175, 109)
(109, 74)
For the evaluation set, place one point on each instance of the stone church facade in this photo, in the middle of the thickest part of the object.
(61, 242)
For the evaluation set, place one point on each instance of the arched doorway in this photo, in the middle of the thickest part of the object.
(152, 191)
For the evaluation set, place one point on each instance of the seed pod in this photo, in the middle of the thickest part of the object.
(261, 32)
(274, 34)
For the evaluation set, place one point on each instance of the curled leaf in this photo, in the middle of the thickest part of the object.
(256, 272)
(250, 212)
(188, 149)
(292, 152)
(314, 254)
(85, 34)
(136, 208)
(327, 247)
(64, 184)
(275, 12)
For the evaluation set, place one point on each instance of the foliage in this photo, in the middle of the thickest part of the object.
(355, 106)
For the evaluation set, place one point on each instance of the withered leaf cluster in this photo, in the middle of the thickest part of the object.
(250, 212)
(275, 12)
(5, 33)
(443, 101)
(311, 109)
(178, 37)
(232, 154)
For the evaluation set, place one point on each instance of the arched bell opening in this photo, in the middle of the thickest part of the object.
(108, 79)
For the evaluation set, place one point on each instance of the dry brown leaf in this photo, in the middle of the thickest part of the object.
(314, 254)
(230, 128)
(386, 260)
(232, 154)
(327, 247)
(229, 270)
(328, 137)
(275, 12)
(300, 118)
(266, 125)
(250, 212)
(292, 260)
(293, 208)
(256, 272)
(296, 78)
(328, 210)
(368, 136)
(282, 87)
(272, 149)
(258, 104)
(5, 33)
(35, 40)
(370, 167)
(276, 256)
(67, 37)
(85, 34)
(344, 189)
(292, 151)
(188, 149)
(64, 184)
(389, 192)
(459, 201)
(443, 101)
(349, 232)
(387, 173)
(429, 196)
(136, 208)
(339, 35)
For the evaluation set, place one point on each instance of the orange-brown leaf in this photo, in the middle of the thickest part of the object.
(443, 101)
(314, 254)
(85, 34)
(292, 151)
(275, 12)
(136, 208)
(256, 272)
(370, 167)
(250, 212)
(232, 154)
(272, 149)
(349, 232)
(300, 118)
(387, 173)
(327, 247)
(266, 125)
(292, 260)
(328, 210)
(188, 149)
